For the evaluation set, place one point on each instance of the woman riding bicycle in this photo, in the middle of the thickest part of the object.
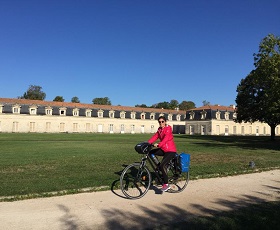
(166, 148)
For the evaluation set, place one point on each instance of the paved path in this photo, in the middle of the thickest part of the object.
(109, 210)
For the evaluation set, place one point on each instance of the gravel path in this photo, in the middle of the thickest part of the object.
(110, 210)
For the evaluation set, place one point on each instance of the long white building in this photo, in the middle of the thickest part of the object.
(219, 120)
(21, 115)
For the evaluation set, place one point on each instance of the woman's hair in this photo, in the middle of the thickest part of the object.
(162, 117)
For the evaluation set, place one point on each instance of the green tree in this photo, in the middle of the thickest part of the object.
(142, 106)
(173, 104)
(34, 92)
(258, 95)
(75, 100)
(204, 103)
(162, 105)
(186, 105)
(59, 98)
(101, 101)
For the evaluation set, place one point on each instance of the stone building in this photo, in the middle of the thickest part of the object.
(219, 120)
(21, 115)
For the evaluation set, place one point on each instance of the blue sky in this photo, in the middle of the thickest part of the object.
(134, 52)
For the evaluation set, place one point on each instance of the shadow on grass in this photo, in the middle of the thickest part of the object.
(246, 142)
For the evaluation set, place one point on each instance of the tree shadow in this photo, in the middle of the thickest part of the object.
(244, 212)
(246, 142)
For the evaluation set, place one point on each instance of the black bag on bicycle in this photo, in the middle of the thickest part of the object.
(143, 147)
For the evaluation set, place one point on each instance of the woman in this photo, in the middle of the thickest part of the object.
(166, 148)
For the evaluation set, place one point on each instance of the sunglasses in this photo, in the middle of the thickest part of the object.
(161, 121)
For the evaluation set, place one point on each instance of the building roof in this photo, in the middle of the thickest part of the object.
(87, 106)
(214, 107)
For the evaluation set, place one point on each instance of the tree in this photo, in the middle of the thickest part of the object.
(162, 105)
(186, 105)
(173, 104)
(142, 106)
(258, 95)
(205, 103)
(75, 100)
(101, 101)
(59, 98)
(34, 92)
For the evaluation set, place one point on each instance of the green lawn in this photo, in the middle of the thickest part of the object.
(42, 163)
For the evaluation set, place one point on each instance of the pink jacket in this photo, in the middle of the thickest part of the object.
(166, 139)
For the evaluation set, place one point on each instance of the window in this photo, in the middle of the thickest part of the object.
(48, 111)
(218, 115)
(142, 128)
(122, 114)
(264, 130)
(234, 129)
(88, 112)
(62, 111)
(33, 110)
(1, 108)
(234, 116)
(75, 127)
(242, 130)
(217, 129)
(61, 127)
(226, 115)
(16, 109)
(257, 130)
(111, 128)
(277, 130)
(48, 126)
(32, 127)
(87, 127)
(143, 115)
(203, 115)
(192, 115)
(75, 112)
(226, 130)
(132, 115)
(122, 128)
(250, 130)
(178, 117)
(169, 117)
(100, 113)
(152, 128)
(191, 131)
(152, 116)
(132, 128)
(111, 114)
(15, 126)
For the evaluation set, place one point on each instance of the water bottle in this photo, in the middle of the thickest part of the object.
(155, 160)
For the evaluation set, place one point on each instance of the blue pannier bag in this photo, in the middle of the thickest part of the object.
(185, 159)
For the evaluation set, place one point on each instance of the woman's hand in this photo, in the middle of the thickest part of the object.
(155, 145)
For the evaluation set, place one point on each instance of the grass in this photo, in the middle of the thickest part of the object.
(35, 165)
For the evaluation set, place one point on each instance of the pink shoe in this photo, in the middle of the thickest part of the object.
(165, 187)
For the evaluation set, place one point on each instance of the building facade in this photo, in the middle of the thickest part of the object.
(219, 120)
(23, 116)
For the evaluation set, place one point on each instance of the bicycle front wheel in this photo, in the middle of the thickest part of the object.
(177, 182)
(135, 181)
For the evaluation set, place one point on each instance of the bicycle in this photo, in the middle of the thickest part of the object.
(136, 179)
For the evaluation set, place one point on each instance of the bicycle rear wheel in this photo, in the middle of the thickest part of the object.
(177, 182)
(135, 181)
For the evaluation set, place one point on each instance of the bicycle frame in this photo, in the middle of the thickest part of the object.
(153, 165)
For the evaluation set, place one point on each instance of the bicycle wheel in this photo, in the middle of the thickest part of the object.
(135, 181)
(177, 182)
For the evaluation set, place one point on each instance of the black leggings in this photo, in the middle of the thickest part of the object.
(167, 156)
